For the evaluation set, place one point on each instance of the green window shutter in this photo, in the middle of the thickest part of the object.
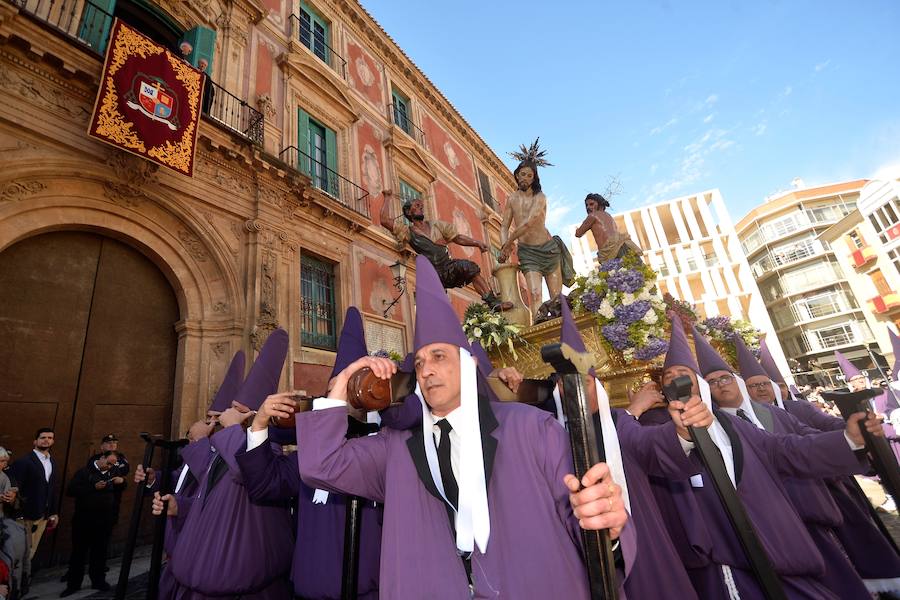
(333, 183)
(315, 32)
(203, 41)
(401, 110)
(408, 192)
(303, 163)
(96, 22)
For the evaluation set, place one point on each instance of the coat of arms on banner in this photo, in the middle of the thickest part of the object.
(149, 100)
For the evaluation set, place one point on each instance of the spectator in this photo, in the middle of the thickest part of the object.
(36, 475)
(110, 443)
(94, 488)
(14, 562)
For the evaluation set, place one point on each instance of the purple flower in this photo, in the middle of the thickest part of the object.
(720, 323)
(653, 348)
(626, 281)
(590, 300)
(381, 354)
(617, 335)
(630, 313)
(610, 265)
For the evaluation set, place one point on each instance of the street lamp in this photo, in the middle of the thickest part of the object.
(398, 270)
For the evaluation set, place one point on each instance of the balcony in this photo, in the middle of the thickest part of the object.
(82, 21)
(404, 122)
(314, 41)
(884, 303)
(863, 256)
(337, 187)
(233, 113)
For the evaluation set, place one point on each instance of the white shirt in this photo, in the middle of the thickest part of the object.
(752, 415)
(45, 462)
(748, 410)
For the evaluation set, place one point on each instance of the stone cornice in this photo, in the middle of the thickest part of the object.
(388, 51)
(297, 62)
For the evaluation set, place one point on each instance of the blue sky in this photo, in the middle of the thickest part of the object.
(674, 97)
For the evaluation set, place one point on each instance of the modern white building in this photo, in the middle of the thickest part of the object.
(692, 243)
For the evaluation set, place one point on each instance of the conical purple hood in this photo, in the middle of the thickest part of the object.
(747, 363)
(265, 372)
(707, 357)
(352, 343)
(679, 353)
(234, 377)
(568, 333)
(895, 344)
(436, 322)
(849, 370)
(484, 361)
(768, 363)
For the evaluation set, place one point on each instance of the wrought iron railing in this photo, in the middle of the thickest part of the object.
(225, 108)
(328, 180)
(404, 121)
(80, 20)
(318, 45)
(317, 304)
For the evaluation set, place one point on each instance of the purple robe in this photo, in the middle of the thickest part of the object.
(319, 549)
(656, 559)
(534, 549)
(229, 546)
(873, 556)
(821, 515)
(761, 460)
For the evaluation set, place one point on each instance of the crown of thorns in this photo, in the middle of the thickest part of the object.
(532, 154)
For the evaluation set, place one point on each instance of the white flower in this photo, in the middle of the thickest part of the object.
(606, 309)
(650, 317)
(627, 298)
(477, 332)
(644, 295)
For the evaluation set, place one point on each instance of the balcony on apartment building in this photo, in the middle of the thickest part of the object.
(332, 183)
(863, 256)
(827, 339)
(810, 309)
(86, 24)
(401, 119)
(784, 256)
(309, 32)
(796, 222)
(884, 303)
(801, 281)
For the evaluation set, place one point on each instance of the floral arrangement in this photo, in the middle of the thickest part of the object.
(684, 310)
(388, 354)
(721, 331)
(622, 294)
(490, 329)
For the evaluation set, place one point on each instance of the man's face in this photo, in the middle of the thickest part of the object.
(113, 445)
(44, 441)
(857, 384)
(590, 206)
(670, 374)
(417, 210)
(437, 371)
(760, 389)
(105, 463)
(525, 177)
(4, 462)
(724, 389)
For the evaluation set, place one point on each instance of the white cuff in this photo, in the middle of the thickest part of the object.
(685, 445)
(323, 403)
(256, 438)
(853, 445)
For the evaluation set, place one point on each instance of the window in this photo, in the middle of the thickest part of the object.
(835, 336)
(314, 32)
(855, 240)
(401, 111)
(317, 303)
(820, 306)
(484, 183)
(880, 283)
(408, 192)
(894, 256)
(318, 153)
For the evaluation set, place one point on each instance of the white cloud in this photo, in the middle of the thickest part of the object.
(660, 128)
(711, 99)
(708, 118)
(787, 91)
(690, 168)
(822, 66)
(653, 168)
(760, 128)
(888, 170)
(557, 209)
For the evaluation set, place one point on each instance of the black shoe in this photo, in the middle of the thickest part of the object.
(64, 578)
(102, 586)
(68, 592)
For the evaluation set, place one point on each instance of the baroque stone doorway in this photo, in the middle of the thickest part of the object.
(89, 349)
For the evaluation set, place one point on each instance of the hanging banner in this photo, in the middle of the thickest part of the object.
(149, 101)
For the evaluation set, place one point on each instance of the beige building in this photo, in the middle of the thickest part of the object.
(127, 288)
(691, 242)
(803, 284)
(866, 244)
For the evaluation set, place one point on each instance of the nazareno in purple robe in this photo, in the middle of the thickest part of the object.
(228, 545)
(820, 514)
(534, 549)
(319, 547)
(871, 553)
(761, 460)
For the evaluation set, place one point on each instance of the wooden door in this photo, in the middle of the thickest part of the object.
(91, 350)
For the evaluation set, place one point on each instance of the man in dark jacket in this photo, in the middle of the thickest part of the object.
(94, 489)
(36, 473)
(110, 443)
